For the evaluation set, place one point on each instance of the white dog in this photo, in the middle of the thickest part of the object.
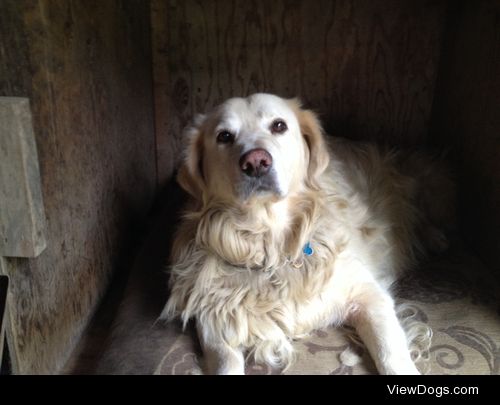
(286, 234)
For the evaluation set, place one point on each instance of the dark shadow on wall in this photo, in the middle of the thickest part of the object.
(119, 338)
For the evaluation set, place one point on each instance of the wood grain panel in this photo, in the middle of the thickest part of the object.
(367, 66)
(22, 216)
(164, 148)
(86, 67)
(466, 119)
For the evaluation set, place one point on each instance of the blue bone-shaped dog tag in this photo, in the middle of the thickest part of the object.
(308, 250)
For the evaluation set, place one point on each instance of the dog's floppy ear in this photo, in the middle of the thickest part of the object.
(190, 175)
(313, 134)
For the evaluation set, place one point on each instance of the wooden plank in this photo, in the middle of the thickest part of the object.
(22, 216)
(367, 66)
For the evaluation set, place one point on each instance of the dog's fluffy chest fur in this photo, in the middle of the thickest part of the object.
(254, 291)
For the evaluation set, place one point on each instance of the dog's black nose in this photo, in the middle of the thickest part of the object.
(256, 163)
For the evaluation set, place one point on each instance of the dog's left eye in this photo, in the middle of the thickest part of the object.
(278, 127)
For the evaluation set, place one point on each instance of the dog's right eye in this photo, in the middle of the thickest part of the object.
(225, 137)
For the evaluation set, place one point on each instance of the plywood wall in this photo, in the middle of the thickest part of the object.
(86, 67)
(367, 66)
(466, 119)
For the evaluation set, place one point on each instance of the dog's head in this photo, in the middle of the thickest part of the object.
(259, 147)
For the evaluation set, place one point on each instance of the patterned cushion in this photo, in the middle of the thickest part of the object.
(456, 296)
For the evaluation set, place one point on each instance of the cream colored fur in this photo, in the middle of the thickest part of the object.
(238, 267)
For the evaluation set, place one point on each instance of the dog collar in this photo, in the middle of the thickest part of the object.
(307, 250)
